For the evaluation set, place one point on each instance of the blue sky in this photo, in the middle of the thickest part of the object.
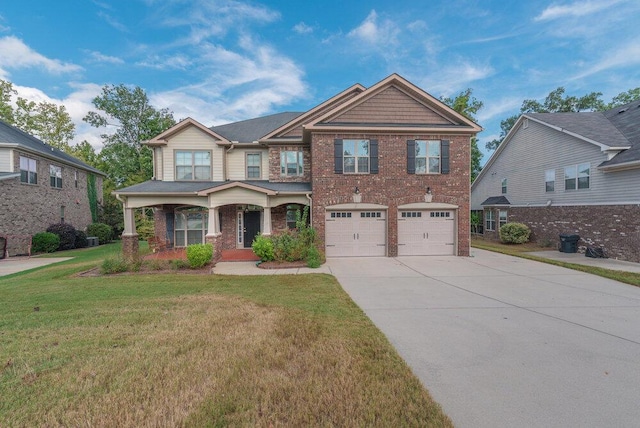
(225, 60)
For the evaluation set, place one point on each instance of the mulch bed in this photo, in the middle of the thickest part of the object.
(283, 265)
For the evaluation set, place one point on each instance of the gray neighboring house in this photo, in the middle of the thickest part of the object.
(568, 173)
(40, 185)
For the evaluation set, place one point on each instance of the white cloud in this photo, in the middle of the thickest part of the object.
(375, 33)
(168, 62)
(113, 22)
(499, 108)
(580, 8)
(456, 77)
(96, 56)
(15, 54)
(625, 56)
(302, 28)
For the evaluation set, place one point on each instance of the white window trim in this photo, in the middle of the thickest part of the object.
(28, 170)
(259, 166)
(356, 157)
(553, 171)
(193, 165)
(503, 186)
(284, 171)
(426, 157)
(489, 218)
(500, 220)
(57, 179)
(575, 170)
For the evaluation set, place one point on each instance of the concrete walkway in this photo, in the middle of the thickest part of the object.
(18, 264)
(581, 259)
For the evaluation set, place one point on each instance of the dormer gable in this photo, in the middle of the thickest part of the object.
(163, 138)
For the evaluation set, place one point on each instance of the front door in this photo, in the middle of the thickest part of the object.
(251, 227)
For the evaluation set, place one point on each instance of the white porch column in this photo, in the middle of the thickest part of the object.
(213, 224)
(266, 221)
(129, 222)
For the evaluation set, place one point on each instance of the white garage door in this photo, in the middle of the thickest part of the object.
(355, 233)
(426, 233)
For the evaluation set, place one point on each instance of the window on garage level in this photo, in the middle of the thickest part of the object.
(443, 214)
(490, 220)
(291, 163)
(340, 215)
(370, 214)
(411, 214)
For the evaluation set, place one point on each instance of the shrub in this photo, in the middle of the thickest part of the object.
(199, 255)
(104, 232)
(45, 242)
(66, 233)
(112, 265)
(285, 246)
(81, 239)
(145, 228)
(178, 264)
(262, 247)
(314, 259)
(514, 233)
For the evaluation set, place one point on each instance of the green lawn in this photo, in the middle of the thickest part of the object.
(195, 350)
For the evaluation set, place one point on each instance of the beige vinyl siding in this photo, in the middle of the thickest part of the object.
(6, 158)
(538, 148)
(236, 163)
(192, 139)
(238, 195)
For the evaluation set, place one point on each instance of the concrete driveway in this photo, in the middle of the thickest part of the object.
(506, 342)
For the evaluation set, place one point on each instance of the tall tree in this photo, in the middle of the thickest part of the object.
(467, 105)
(558, 102)
(127, 110)
(6, 94)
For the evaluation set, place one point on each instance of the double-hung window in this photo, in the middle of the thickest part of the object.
(490, 220)
(549, 180)
(291, 163)
(577, 176)
(504, 186)
(428, 157)
(55, 176)
(193, 165)
(355, 156)
(502, 218)
(28, 170)
(254, 161)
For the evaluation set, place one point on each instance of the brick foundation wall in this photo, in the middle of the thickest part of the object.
(615, 228)
(392, 186)
(27, 209)
(130, 247)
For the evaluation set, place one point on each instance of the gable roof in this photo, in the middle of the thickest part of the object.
(196, 187)
(440, 117)
(162, 138)
(248, 131)
(10, 136)
(496, 201)
(626, 119)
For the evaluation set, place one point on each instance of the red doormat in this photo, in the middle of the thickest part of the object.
(238, 256)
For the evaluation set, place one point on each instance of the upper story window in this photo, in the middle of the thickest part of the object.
(55, 176)
(355, 156)
(254, 162)
(193, 165)
(577, 176)
(28, 170)
(428, 157)
(504, 186)
(291, 163)
(549, 180)
(490, 220)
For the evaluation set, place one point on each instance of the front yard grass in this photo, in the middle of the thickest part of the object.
(521, 250)
(196, 350)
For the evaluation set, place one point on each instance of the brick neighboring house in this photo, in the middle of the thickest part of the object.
(39, 186)
(384, 169)
(568, 173)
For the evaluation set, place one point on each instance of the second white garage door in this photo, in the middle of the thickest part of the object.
(426, 233)
(355, 233)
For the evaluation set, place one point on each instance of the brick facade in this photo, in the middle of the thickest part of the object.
(393, 185)
(275, 173)
(616, 228)
(27, 209)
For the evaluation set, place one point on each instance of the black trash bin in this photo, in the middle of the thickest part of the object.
(3, 247)
(569, 243)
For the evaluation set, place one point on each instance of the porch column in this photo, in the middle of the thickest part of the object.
(266, 221)
(130, 245)
(214, 233)
(129, 223)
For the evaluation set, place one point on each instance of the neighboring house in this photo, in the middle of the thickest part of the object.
(568, 173)
(39, 186)
(363, 161)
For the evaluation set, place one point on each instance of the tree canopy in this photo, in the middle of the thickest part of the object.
(467, 105)
(558, 102)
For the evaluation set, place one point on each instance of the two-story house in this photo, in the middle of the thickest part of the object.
(568, 173)
(40, 185)
(385, 172)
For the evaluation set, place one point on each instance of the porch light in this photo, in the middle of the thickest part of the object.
(428, 197)
(357, 197)
(356, 191)
(428, 190)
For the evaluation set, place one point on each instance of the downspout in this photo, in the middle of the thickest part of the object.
(308, 195)
(224, 166)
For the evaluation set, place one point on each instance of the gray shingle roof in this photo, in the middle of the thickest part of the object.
(12, 135)
(248, 131)
(592, 125)
(627, 120)
(158, 186)
(496, 200)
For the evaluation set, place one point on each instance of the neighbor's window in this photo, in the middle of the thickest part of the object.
(355, 156)
(55, 176)
(504, 186)
(193, 165)
(428, 157)
(490, 220)
(292, 216)
(291, 163)
(28, 170)
(549, 180)
(502, 218)
(254, 161)
(577, 176)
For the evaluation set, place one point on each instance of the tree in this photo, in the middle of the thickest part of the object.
(467, 105)
(557, 102)
(6, 93)
(127, 110)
